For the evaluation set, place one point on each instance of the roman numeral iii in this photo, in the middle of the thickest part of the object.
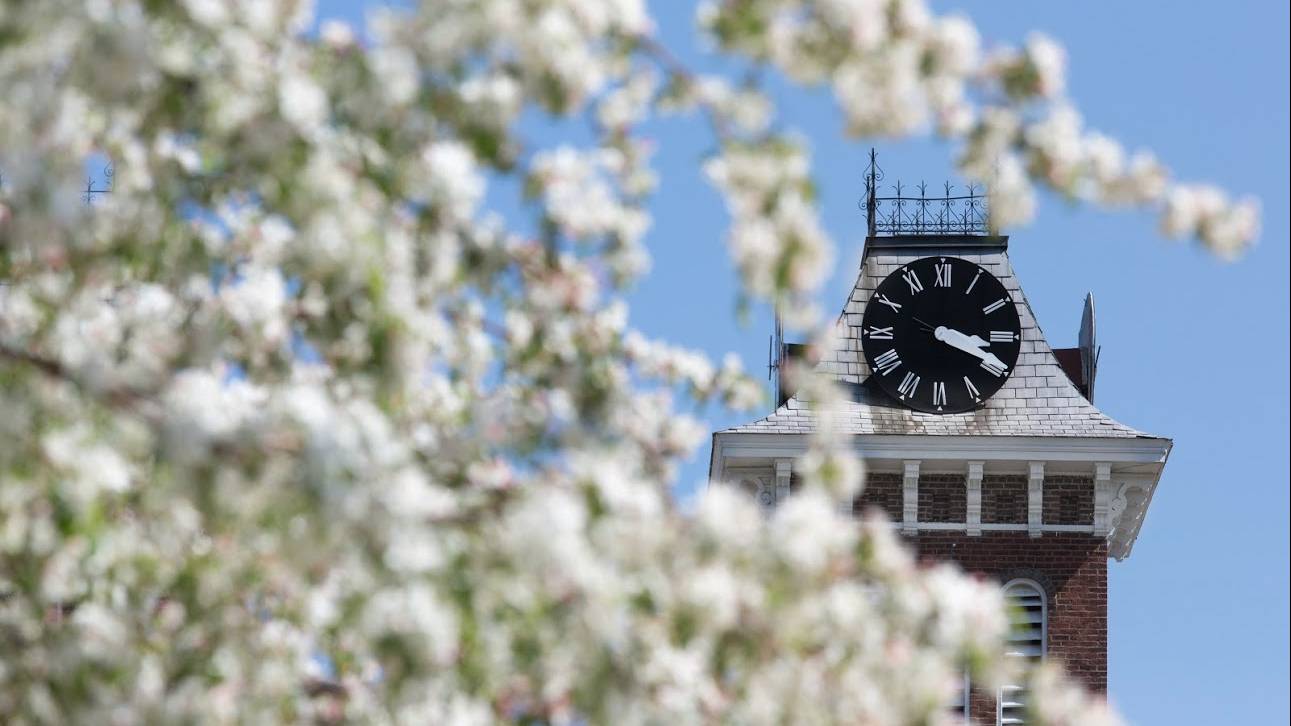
(994, 306)
(908, 385)
(879, 333)
(943, 274)
(912, 280)
(1001, 336)
(887, 362)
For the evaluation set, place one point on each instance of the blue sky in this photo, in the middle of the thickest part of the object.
(1193, 348)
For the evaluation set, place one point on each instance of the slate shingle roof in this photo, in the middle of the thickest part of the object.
(1037, 400)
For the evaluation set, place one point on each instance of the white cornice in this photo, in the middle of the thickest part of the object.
(1131, 467)
(728, 445)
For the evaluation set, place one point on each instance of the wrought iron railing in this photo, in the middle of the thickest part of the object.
(93, 187)
(911, 211)
(90, 192)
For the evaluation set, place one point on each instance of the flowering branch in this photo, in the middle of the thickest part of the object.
(400, 453)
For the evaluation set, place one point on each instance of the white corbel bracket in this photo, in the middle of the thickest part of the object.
(1120, 504)
(973, 515)
(910, 498)
(1102, 499)
(1035, 498)
(783, 470)
(766, 493)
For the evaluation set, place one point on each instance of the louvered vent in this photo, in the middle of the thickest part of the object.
(959, 704)
(1026, 641)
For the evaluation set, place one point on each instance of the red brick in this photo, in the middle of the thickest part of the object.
(1072, 569)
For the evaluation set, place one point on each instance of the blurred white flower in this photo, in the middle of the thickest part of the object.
(256, 301)
(289, 403)
(302, 102)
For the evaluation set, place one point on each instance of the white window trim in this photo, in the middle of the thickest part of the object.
(1025, 584)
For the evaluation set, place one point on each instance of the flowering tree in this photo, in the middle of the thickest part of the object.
(291, 428)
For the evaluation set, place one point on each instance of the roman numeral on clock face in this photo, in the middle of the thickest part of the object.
(887, 362)
(994, 306)
(1001, 336)
(908, 385)
(879, 333)
(973, 282)
(943, 274)
(972, 390)
(992, 367)
(896, 307)
(912, 280)
(938, 394)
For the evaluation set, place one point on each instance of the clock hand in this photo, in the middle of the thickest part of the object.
(958, 340)
(970, 344)
(999, 364)
(926, 326)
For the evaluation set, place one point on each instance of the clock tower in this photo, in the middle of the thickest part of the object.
(982, 442)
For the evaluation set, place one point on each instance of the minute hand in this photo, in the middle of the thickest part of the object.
(970, 344)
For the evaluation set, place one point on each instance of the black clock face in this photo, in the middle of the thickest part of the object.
(941, 335)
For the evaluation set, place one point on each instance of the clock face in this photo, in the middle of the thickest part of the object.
(941, 335)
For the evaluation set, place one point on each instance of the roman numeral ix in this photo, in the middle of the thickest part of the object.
(879, 333)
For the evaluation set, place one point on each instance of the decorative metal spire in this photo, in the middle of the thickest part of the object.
(907, 213)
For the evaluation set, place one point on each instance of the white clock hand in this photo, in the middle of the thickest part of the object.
(956, 339)
(990, 359)
(970, 344)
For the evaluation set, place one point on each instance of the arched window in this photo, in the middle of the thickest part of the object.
(1029, 616)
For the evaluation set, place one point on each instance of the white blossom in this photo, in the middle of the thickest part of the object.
(452, 179)
(294, 405)
(255, 301)
(1205, 211)
(302, 102)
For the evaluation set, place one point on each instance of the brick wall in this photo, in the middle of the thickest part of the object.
(942, 498)
(883, 490)
(1004, 499)
(1068, 500)
(1072, 569)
